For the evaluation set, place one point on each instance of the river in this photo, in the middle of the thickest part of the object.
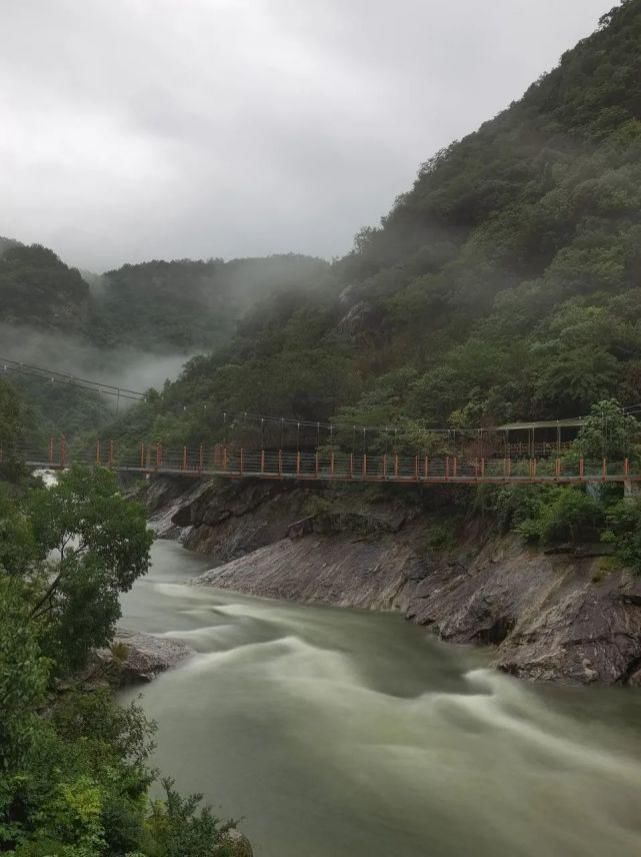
(338, 733)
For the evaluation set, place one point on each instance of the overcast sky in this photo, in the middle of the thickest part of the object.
(138, 129)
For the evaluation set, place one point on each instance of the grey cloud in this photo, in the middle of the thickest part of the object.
(162, 128)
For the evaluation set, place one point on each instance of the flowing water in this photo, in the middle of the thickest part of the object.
(339, 733)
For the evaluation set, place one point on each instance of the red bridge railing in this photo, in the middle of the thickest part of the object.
(227, 462)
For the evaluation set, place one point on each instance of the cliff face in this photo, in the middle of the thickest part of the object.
(549, 616)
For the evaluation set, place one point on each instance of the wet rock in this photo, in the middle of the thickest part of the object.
(235, 844)
(135, 657)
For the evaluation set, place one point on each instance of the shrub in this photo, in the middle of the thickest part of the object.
(624, 532)
(563, 514)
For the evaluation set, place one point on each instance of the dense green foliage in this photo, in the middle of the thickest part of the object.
(187, 305)
(74, 770)
(36, 288)
(504, 285)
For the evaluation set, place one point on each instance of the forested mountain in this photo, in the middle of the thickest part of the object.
(188, 305)
(177, 306)
(37, 289)
(505, 284)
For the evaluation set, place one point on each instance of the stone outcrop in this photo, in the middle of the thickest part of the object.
(135, 657)
(235, 844)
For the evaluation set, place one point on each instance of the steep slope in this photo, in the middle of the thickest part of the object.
(503, 285)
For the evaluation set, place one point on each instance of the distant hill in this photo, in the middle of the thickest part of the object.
(186, 305)
(39, 290)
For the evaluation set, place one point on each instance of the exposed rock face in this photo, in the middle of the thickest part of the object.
(550, 616)
(136, 657)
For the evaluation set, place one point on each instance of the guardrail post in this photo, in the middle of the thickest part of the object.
(262, 461)
(158, 456)
(426, 466)
(351, 465)
(62, 450)
(482, 468)
(331, 463)
(416, 468)
(142, 455)
(280, 463)
(317, 465)
(626, 467)
(447, 467)
(364, 467)
(242, 461)
(111, 453)
(225, 459)
(605, 469)
(201, 459)
(298, 464)
(98, 452)
(455, 464)
(384, 466)
(396, 467)
(51, 450)
(581, 468)
(184, 465)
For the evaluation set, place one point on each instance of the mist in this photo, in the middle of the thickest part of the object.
(124, 367)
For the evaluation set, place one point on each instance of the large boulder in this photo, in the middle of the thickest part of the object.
(235, 844)
(135, 657)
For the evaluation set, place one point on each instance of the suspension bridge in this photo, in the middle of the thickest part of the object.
(316, 452)
(208, 462)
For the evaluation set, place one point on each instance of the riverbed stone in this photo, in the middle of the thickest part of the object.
(135, 657)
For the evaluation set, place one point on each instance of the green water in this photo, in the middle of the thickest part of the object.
(347, 733)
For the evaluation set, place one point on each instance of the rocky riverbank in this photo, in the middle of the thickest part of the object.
(134, 658)
(560, 616)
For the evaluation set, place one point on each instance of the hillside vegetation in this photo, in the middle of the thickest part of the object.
(503, 285)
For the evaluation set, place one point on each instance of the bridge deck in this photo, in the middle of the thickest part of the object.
(202, 462)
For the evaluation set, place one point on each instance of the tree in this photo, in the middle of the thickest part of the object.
(91, 544)
(13, 424)
(608, 432)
